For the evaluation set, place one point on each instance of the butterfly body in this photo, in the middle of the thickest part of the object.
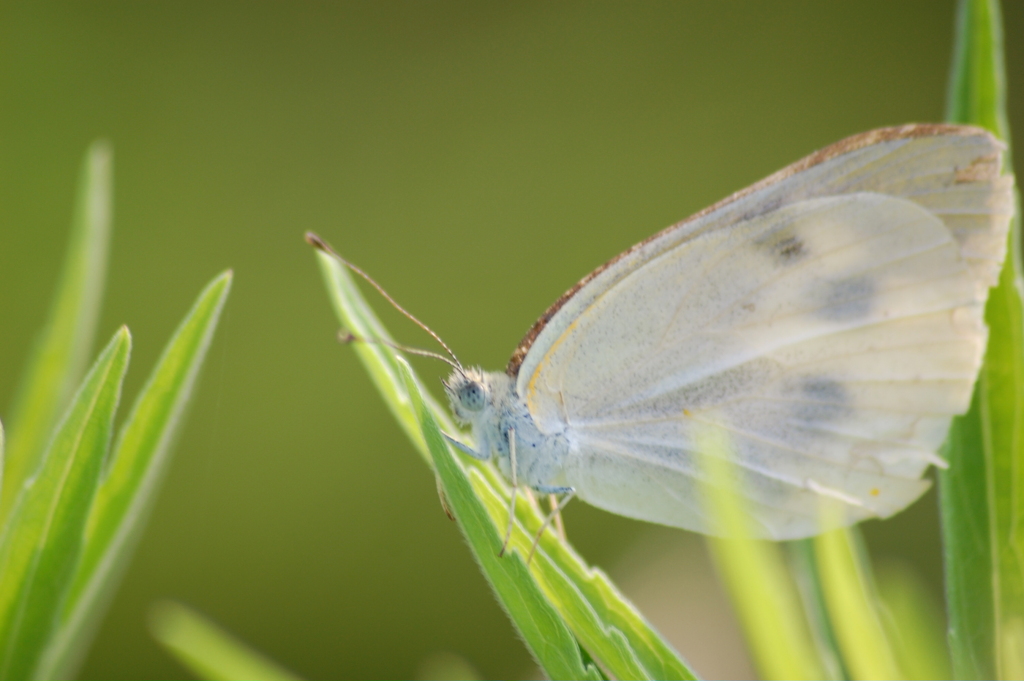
(488, 403)
(829, 320)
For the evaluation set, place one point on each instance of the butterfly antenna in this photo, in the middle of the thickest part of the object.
(316, 242)
(347, 337)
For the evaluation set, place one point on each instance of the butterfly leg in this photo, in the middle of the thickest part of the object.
(515, 487)
(464, 448)
(559, 522)
(552, 502)
(547, 521)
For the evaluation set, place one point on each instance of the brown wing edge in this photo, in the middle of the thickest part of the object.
(859, 141)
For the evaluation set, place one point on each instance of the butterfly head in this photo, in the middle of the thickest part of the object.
(468, 393)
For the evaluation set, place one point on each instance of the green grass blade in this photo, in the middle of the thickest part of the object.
(1001, 387)
(603, 620)
(209, 651)
(61, 354)
(605, 623)
(754, 572)
(545, 634)
(853, 606)
(43, 537)
(982, 493)
(977, 84)
(967, 550)
(915, 624)
(768, 607)
(132, 477)
(803, 567)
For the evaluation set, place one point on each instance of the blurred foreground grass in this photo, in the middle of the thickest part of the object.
(76, 493)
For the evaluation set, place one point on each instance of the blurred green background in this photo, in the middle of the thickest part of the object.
(478, 159)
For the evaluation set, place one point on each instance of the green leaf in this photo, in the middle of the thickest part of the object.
(606, 642)
(208, 650)
(603, 620)
(982, 492)
(61, 353)
(545, 634)
(605, 623)
(853, 606)
(43, 537)
(132, 478)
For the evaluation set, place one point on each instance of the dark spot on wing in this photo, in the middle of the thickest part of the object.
(821, 399)
(783, 245)
(789, 248)
(846, 299)
(823, 389)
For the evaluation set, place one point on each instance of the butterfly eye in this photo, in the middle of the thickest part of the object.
(471, 396)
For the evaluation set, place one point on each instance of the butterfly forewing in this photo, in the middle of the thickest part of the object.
(829, 320)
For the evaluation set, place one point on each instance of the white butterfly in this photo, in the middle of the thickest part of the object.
(829, 318)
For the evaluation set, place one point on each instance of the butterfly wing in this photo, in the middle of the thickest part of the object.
(829, 320)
